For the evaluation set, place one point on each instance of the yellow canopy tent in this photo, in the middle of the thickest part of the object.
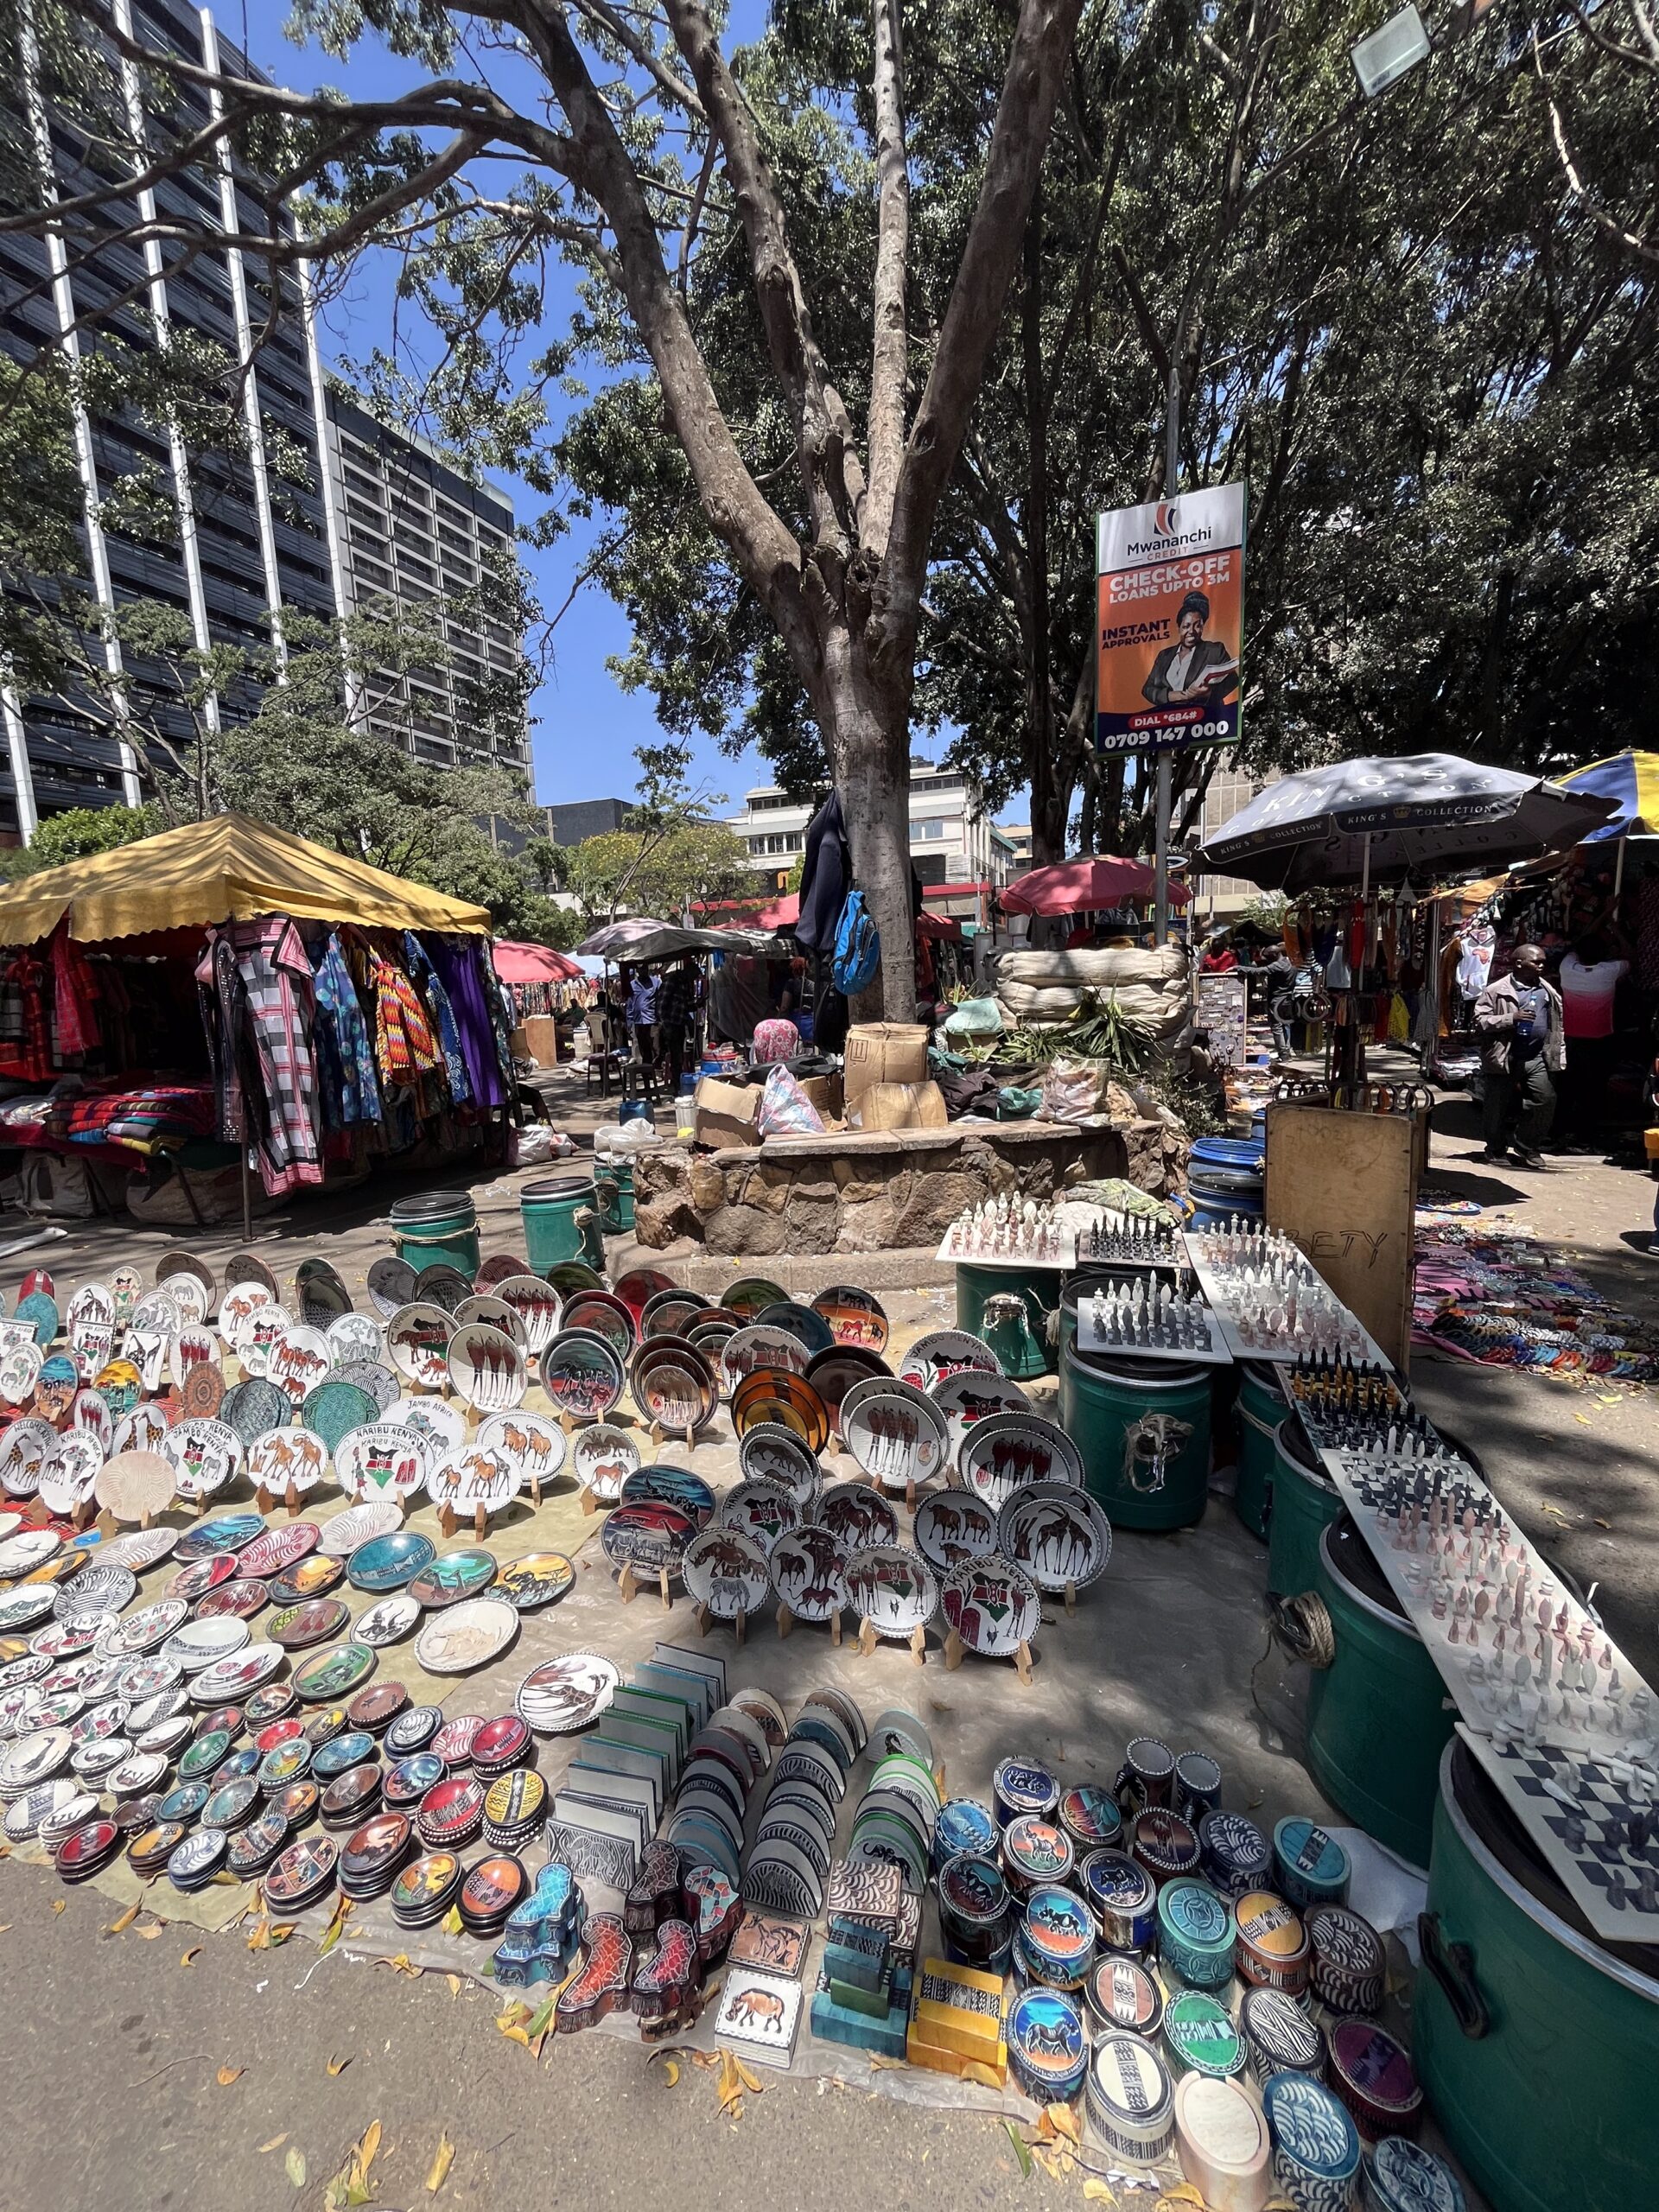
(228, 869)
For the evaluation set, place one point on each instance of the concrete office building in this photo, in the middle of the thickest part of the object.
(249, 537)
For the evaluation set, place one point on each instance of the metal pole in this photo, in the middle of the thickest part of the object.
(247, 1200)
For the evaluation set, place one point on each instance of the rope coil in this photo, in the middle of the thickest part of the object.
(1302, 1628)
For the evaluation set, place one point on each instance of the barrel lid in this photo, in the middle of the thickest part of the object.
(1404, 2178)
(554, 1190)
(431, 1205)
(1124, 1367)
(1127, 2081)
(1352, 1561)
(1193, 1912)
(1200, 2032)
(1310, 2127)
(1280, 2034)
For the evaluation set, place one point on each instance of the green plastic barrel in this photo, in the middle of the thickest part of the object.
(1302, 1503)
(561, 1218)
(613, 1195)
(435, 1225)
(1038, 1290)
(1535, 2041)
(1142, 1427)
(1258, 1409)
(1377, 1720)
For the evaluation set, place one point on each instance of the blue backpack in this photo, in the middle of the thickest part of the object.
(858, 947)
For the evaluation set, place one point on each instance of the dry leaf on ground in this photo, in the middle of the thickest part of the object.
(337, 2066)
(1020, 2150)
(335, 1928)
(150, 1933)
(123, 1921)
(58, 1904)
(274, 2144)
(229, 2074)
(294, 2164)
(442, 2158)
(189, 1955)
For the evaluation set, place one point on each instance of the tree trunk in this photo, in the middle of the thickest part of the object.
(866, 725)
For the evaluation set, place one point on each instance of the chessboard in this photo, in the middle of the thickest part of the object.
(1222, 1292)
(1594, 1821)
(1131, 1321)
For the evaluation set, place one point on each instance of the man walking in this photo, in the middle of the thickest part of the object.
(1523, 1045)
(642, 1016)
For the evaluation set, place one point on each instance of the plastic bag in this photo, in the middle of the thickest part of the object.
(975, 1018)
(1013, 1104)
(786, 1109)
(1074, 1090)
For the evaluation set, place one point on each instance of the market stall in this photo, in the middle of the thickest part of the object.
(226, 994)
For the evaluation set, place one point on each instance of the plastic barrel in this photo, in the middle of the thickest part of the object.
(1258, 1409)
(1376, 1717)
(1533, 2040)
(1038, 1290)
(1302, 1504)
(561, 1218)
(1142, 1427)
(613, 1196)
(435, 1225)
(1223, 1177)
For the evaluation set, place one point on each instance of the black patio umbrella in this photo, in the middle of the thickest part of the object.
(1427, 816)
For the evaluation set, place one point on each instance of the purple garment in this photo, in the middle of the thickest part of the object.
(456, 961)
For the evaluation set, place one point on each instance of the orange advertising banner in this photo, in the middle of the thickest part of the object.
(1170, 622)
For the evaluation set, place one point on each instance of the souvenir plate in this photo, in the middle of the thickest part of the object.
(27, 1548)
(808, 1571)
(203, 1392)
(601, 1459)
(534, 1580)
(992, 1605)
(376, 1382)
(40, 1311)
(203, 1454)
(473, 1476)
(531, 1442)
(61, 1389)
(946, 1351)
(581, 1375)
(597, 1313)
(753, 1348)
(120, 1385)
(536, 1306)
(234, 1601)
(651, 1536)
(139, 1548)
(298, 1361)
(333, 1674)
(893, 1587)
(417, 1338)
(100, 1587)
(1006, 1451)
(387, 1621)
(253, 1406)
(382, 1459)
(70, 1474)
(466, 1636)
(673, 1385)
(392, 1286)
(358, 1524)
(282, 1459)
(971, 1396)
(258, 1337)
(494, 1313)
(566, 1693)
(855, 1317)
(671, 1312)
(142, 1631)
(762, 1511)
(808, 1326)
(319, 1292)
(662, 1484)
(187, 1277)
(335, 1407)
(440, 1284)
(197, 1645)
(952, 1526)
(751, 1296)
(312, 1577)
(21, 1609)
(390, 1562)
(135, 1485)
(224, 1532)
(141, 1430)
(441, 1426)
(1058, 1534)
(770, 1452)
(496, 1267)
(238, 1306)
(193, 1347)
(443, 1582)
(726, 1572)
(92, 1303)
(20, 1371)
(302, 1872)
(897, 1437)
(857, 1515)
(319, 1620)
(353, 1337)
(33, 1759)
(486, 1367)
(25, 1447)
(773, 1394)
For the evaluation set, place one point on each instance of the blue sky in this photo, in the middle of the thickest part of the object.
(585, 726)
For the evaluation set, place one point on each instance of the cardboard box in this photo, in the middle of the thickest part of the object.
(542, 1039)
(898, 1106)
(884, 1052)
(728, 1113)
(826, 1093)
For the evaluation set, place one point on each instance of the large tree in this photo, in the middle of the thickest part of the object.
(627, 139)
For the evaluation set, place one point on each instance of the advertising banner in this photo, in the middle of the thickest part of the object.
(1170, 623)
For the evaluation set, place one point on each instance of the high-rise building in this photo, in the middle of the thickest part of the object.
(269, 529)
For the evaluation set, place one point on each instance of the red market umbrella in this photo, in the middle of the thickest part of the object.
(1085, 887)
(532, 963)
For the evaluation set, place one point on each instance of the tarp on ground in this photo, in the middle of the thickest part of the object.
(226, 869)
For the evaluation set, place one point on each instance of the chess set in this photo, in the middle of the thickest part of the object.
(1597, 1821)
(1010, 1232)
(1150, 1318)
(1269, 1302)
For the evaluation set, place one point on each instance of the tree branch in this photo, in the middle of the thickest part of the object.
(889, 357)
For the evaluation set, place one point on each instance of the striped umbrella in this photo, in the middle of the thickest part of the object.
(1630, 779)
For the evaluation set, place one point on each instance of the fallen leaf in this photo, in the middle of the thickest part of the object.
(58, 1904)
(1020, 2150)
(1183, 2193)
(125, 1920)
(454, 1980)
(369, 2145)
(1055, 2163)
(295, 2166)
(452, 1922)
(189, 1955)
(442, 2158)
(1056, 2122)
(1096, 2192)
(153, 1929)
(880, 2063)
(335, 1928)
(514, 2016)
(402, 1963)
(274, 2144)
(730, 2088)
(670, 2073)
(229, 2074)
(540, 2021)
(973, 2071)
(337, 2067)
(1601, 1524)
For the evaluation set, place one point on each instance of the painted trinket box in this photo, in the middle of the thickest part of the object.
(1122, 1898)
(1349, 1962)
(1221, 2141)
(1315, 2144)
(760, 2015)
(1196, 1933)
(1311, 1866)
(1400, 2176)
(602, 1984)
(665, 1979)
(1129, 2100)
(541, 1932)
(1048, 2047)
(1279, 2036)
(1373, 2074)
(1273, 1950)
(1233, 1853)
(1121, 1993)
(1199, 2036)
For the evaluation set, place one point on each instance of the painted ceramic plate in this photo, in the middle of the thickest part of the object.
(495, 1313)
(970, 1396)
(466, 1636)
(70, 1476)
(597, 1312)
(135, 1485)
(234, 1601)
(673, 1384)
(202, 1392)
(762, 1511)
(253, 1406)
(753, 1348)
(651, 1536)
(283, 1459)
(335, 1407)
(204, 1456)
(441, 1426)
(565, 1693)
(946, 1351)
(473, 1476)
(390, 1562)
(100, 1587)
(353, 1337)
(896, 1437)
(443, 1285)
(224, 1532)
(333, 1674)
(671, 1312)
(669, 1485)
(277, 1549)
(773, 1394)
(893, 1587)
(298, 1361)
(383, 1460)
(1056, 1534)
(581, 1375)
(952, 1526)
(856, 1317)
(770, 1453)
(536, 1306)
(803, 1323)
(258, 1337)
(1006, 1451)
(20, 1370)
(388, 1620)
(137, 1633)
(534, 1580)
(726, 1572)
(486, 1367)
(26, 1549)
(237, 1676)
(358, 1524)
(601, 1459)
(857, 1517)
(143, 1547)
(200, 1644)
(25, 1447)
(417, 1338)
(992, 1605)
(21, 1609)
(445, 1581)
(238, 1305)
(751, 1296)
(392, 1286)
(807, 1571)
(375, 1380)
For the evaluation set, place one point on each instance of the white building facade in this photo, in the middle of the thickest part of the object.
(959, 853)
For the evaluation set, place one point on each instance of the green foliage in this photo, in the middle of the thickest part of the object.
(80, 831)
(631, 871)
